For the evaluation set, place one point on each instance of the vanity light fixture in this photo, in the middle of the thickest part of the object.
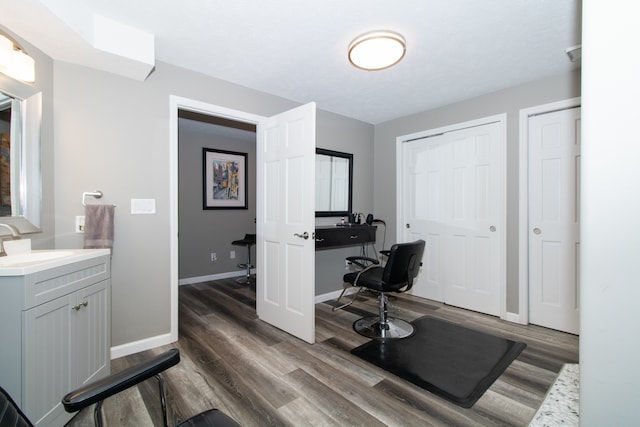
(377, 50)
(14, 62)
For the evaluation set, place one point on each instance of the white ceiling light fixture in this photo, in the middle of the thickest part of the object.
(377, 50)
(14, 62)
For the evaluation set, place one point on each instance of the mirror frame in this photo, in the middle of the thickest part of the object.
(349, 157)
(27, 215)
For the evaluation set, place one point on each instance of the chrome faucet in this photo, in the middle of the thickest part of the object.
(15, 234)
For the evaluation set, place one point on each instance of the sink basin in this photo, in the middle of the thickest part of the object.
(30, 258)
(23, 263)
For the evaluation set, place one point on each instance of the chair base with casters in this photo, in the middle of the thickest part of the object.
(383, 326)
(396, 275)
(248, 241)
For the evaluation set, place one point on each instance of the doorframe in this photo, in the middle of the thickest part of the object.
(400, 185)
(177, 103)
(523, 196)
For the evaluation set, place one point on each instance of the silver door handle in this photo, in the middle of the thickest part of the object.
(492, 229)
(537, 231)
(304, 235)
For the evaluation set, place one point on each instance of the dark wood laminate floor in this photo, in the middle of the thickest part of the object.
(262, 376)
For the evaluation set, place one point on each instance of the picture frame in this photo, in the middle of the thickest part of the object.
(225, 179)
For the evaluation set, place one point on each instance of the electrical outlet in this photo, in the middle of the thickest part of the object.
(214, 256)
(232, 255)
(79, 224)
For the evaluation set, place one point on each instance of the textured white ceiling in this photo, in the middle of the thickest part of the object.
(296, 49)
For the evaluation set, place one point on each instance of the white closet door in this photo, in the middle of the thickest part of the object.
(455, 201)
(554, 220)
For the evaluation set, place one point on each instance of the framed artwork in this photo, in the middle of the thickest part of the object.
(225, 180)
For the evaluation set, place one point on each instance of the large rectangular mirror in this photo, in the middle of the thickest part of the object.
(334, 182)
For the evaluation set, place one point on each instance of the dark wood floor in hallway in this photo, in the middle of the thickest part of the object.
(262, 376)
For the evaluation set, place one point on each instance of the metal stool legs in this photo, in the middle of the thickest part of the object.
(247, 279)
(248, 241)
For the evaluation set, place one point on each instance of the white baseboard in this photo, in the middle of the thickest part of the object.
(142, 345)
(334, 295)
(218, 276)
(514, 318)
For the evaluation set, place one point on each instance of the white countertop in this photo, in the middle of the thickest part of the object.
(39, 260)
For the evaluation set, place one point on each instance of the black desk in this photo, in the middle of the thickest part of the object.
(348, 235)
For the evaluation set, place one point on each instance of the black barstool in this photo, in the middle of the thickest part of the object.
(248, 241)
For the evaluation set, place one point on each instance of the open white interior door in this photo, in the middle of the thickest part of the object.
(285, 223)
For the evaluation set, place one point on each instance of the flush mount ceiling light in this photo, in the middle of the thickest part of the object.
(377, 50)
(14, 62)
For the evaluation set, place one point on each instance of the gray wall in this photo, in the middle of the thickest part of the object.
(341, 134)
(112, 134)
(204, 231)
(508, 101)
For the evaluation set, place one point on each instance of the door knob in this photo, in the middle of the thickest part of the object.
(537, 231)
(304, 235)
(492, 229)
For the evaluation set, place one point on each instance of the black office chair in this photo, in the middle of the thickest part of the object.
(96, 392)
(248, 241)
(402, 266)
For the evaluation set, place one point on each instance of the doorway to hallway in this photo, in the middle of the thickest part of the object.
(206, 230)
(285, 160)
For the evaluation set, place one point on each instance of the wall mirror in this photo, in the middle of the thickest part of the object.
(20, 173)
(334, 183)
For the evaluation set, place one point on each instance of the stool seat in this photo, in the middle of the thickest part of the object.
(248, 241)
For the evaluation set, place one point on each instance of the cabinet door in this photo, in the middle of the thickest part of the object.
(93, 337)
(48, 332)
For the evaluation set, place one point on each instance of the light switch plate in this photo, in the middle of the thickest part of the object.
(143, 206)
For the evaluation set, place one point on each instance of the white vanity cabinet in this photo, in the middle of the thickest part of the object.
(55, 332)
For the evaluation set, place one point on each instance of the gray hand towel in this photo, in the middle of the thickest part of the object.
(98, 226)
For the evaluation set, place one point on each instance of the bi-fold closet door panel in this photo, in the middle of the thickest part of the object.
(454, 200)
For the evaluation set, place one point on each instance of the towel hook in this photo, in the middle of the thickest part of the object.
(97, 194)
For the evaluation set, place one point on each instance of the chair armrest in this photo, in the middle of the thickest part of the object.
(362, 261)
(119, 381)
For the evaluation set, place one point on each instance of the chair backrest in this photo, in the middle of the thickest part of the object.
(10, 413)
(404, 263)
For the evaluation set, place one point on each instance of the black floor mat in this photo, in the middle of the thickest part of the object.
(454, 362)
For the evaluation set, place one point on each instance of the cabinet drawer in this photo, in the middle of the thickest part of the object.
(56, 282)
(344, 236)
